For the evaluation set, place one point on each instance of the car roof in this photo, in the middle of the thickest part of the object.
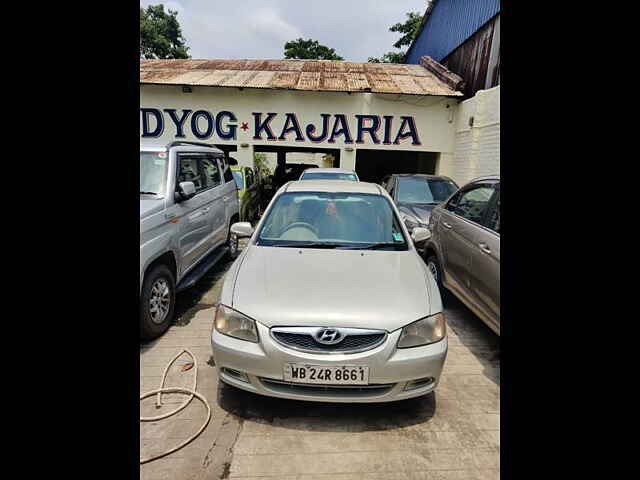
(331, 170)
(183, 146)
(486, 177)
(345, 186)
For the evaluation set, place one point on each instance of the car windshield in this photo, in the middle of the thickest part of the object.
(329, 176)
(332, 220)
(153, 173)
(237, 175)
(423, 190)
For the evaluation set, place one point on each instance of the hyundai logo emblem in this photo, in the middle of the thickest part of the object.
(329, 336)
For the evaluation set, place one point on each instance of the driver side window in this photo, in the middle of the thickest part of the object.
(473, 203)
(188, 171)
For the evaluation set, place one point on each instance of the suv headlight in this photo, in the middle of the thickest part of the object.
(423, 332)
(234, 324)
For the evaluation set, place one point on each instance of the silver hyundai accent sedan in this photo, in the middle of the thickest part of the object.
(330, 300)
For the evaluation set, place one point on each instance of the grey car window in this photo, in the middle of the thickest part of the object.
(349, 220)
(189, 172)
(153, 172)
(423, 190)
(473, 203)
(211, 172)
(494, 218)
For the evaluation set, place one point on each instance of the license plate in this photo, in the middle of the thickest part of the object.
(319, 374)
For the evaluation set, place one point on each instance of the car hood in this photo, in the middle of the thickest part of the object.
(150, 206)
(421, 211)
(339, 288)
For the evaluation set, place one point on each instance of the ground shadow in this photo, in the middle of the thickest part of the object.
(473, 333)
(326, 417)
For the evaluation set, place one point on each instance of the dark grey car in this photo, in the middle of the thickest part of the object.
(463, 252)
(416, 195)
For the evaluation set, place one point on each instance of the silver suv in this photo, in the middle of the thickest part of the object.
(463, 252)
(188, 201)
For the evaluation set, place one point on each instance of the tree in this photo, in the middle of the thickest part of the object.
(309, 49)
(409, 30)
(160, 34)
(260, 162)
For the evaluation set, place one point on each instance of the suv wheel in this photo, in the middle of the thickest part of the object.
(434, 268)
(157, 302)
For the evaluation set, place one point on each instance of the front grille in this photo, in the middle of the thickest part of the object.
(327, 390)
(305, 341)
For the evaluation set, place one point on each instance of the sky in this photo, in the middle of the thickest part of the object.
(258, 29)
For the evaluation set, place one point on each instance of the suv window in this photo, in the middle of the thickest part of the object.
(226, 168)
(189, 171)
(472, 204)
(211, 172)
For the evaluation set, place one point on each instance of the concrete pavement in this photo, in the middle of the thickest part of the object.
(454, 434)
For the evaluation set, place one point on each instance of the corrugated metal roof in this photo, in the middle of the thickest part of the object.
(448, 24)
(308, 75)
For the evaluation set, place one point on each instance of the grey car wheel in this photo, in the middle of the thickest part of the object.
(434, 268)
(157, 302)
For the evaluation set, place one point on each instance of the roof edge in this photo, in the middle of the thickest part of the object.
(425, 17)
(453, 81)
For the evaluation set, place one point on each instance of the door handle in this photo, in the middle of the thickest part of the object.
(225, 199)
(206, 209)
(484, 247)
(446, 225)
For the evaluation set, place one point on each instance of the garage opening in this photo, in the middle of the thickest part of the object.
(374, 165)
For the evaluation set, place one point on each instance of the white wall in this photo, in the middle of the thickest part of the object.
(476, 148)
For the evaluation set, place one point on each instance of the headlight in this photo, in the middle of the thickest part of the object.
(423, 332)
(232, 323)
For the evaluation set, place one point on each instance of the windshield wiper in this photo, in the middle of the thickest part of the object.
(375, 246)
(148, 193)
(307, 245)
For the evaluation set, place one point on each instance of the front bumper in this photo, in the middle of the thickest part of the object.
(390, 369)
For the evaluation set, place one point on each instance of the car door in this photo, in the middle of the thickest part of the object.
(213, 201)
(191, 214)
(459, 224)
(229, 191)
(485, 263)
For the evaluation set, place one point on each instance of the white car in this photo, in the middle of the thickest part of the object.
(330, 300)
(329, 174)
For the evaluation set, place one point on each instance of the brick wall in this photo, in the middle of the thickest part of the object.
(477, 147)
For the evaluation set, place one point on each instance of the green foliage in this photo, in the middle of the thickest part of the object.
(160, 34)
(409, 30)
(309, 49)
(260, 162)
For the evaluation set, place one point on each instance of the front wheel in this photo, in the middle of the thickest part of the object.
(434, 268)
(157, 302)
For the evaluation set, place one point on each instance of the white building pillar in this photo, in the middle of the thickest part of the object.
(348, 159)
(244, 155)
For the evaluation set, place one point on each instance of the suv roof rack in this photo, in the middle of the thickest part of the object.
(197, 144)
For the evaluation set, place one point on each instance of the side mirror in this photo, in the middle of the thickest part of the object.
(242, 229)
(186, 190)
(233, 161)
(420, 235)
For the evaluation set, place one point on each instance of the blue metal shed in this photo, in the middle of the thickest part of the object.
(449, 24)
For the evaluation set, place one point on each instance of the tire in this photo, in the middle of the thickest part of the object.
(232, 243)
(434, 267)
(159, 289)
